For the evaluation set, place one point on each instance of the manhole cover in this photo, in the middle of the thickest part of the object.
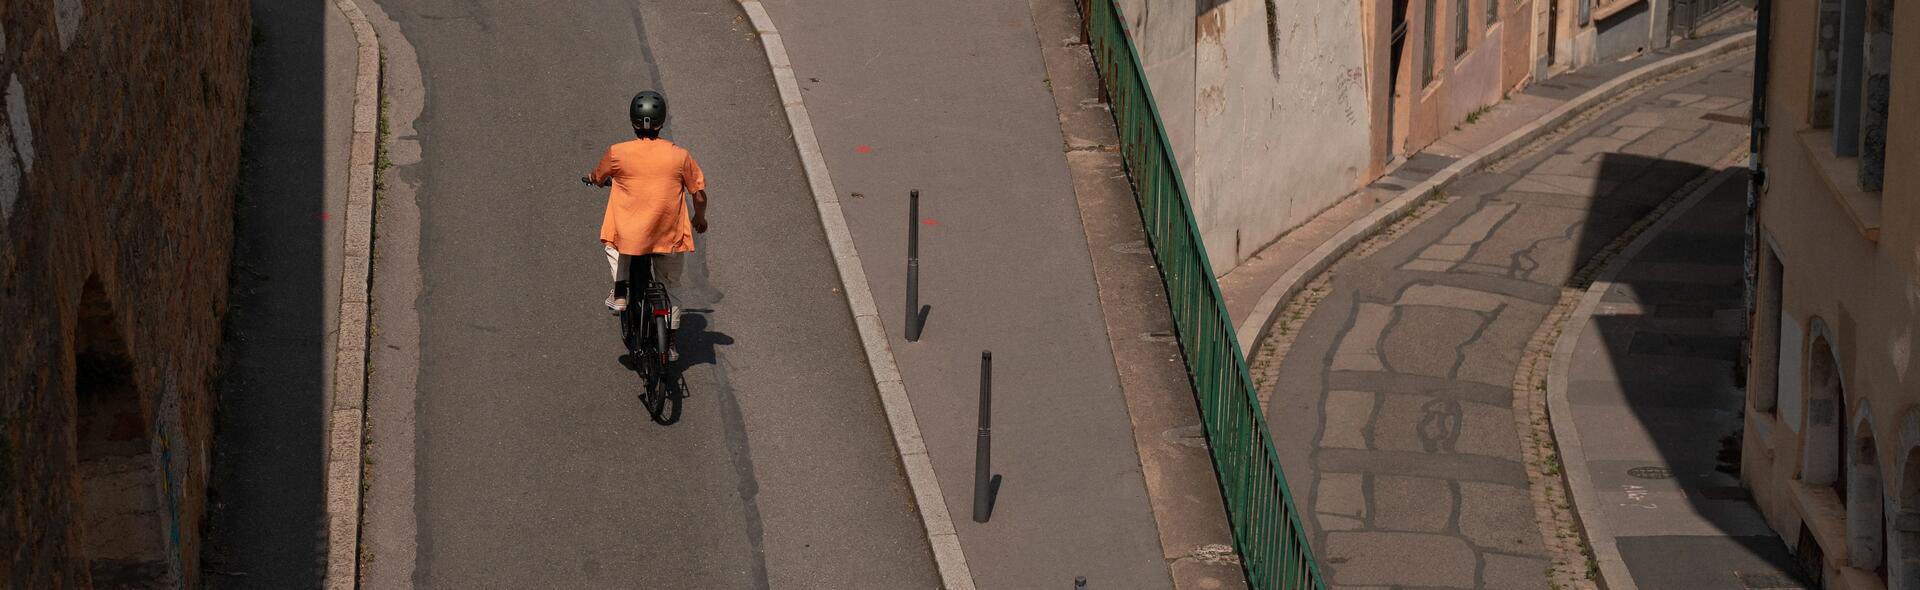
(1650, 472)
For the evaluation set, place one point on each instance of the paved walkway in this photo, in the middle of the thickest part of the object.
(1394, 407)
(1652, 403)
(952, 98)
(1244, 285)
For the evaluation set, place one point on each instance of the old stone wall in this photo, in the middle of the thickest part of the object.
(119, 153)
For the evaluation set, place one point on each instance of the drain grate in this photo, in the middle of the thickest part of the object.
(1651, 472)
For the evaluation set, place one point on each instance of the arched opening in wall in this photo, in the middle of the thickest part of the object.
(1866, 520)
(1906, 523)
(1820, 461)
(116, 472)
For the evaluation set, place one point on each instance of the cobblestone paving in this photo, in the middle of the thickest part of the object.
(1393, 404)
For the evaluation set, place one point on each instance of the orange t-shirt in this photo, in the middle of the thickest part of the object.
(646, 213)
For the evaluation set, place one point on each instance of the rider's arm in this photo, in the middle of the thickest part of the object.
(603, 174)
(700, 210)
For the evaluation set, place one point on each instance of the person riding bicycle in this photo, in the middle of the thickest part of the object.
(646, 213)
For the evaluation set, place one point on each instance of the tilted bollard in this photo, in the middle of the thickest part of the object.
(913, 267)
(983, 449)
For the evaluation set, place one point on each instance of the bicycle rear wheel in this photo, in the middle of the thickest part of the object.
(654, 365)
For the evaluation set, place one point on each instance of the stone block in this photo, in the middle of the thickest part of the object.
(1414, 504)
(1400, 559)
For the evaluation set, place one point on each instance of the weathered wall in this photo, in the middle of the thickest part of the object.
(1163, 34)
(1266, 106)
(1614, 29)
(1463, 83)
(118, 162)
(1282, 116)
(1859, 293)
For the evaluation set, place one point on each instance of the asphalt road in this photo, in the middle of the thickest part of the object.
(535, 465)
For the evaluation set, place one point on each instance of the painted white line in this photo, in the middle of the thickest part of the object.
(1566, 434)
(348, 411)
(947, 554)
(1254, 329)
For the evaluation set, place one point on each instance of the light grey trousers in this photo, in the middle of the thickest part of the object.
(667, 269)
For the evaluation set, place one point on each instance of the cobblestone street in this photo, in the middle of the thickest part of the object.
(1394, 404)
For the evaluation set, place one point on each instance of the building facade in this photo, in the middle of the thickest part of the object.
(1831, 447)
(1277, 110)
(119, 153)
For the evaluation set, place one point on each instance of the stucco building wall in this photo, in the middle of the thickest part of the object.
(1831, 447)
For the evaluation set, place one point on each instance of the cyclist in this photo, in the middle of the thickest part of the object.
(646, 214)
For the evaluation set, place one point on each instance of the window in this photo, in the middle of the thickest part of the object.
(1461, 28)
(1426, 46)
(1851, 80)
(1826, 63)
(1493, 12)
(1768, 339)
(1878, 50)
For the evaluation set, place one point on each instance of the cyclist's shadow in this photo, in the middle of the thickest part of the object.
(698, 345)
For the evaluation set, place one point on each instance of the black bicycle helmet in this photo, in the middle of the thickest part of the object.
(648, 111)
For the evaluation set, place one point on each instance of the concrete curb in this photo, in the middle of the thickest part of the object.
(1254, 330)
(347, 409)
(941, 537)
(1566, 435)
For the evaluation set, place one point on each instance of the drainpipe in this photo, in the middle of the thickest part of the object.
(1756, 167)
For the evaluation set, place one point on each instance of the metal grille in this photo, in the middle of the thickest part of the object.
(1690, 14)
(1267, 535)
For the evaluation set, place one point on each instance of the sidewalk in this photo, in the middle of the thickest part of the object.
(1644, 402)
(268, 523)
(1398, 399)
(954, 99)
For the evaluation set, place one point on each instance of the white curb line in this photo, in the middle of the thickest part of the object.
(1252, 331)
(347, 413)
(947, 554)
(1566, 435)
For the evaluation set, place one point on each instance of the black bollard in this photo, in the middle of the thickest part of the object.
(983, 449)
(913, 266)
(1079, 583)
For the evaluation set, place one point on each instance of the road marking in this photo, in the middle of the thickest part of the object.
(941, 537)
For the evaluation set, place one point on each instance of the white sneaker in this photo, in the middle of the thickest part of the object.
(617, 304)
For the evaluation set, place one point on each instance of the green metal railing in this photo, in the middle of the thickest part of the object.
(1266, 528)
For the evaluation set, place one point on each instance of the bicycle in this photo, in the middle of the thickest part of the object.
(644, 323)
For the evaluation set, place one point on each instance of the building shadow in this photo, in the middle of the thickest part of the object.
(267, 517)
(1663, 349)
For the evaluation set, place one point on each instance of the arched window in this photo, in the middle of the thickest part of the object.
(1866, 528)
(1904, 528)
(1820, 460)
